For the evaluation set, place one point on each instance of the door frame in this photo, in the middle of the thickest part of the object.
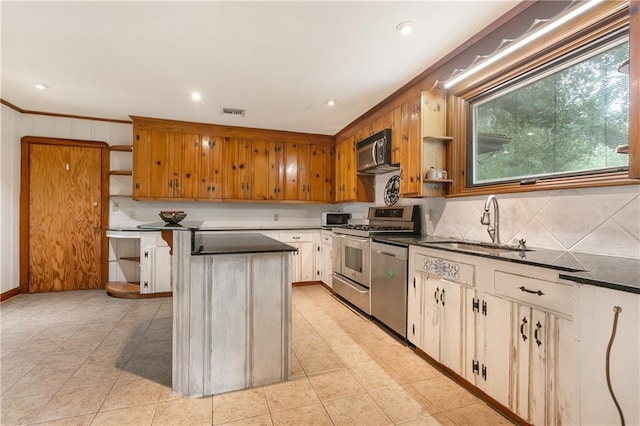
(25, 150)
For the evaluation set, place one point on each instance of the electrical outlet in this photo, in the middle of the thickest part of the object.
(276, 217)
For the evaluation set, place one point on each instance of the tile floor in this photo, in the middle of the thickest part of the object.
(80, 358)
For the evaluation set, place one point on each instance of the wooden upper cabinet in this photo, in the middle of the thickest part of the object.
(141, 164)
(237, 166)
(264, 169)
(320, 173)
(346, 173)
(178, 160)
(211, 167)
(422, 144)
(395, 119)
(187, 183)
(410, 152)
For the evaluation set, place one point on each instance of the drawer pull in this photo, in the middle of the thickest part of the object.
(535, 333)
(522, 325)
(435, 294)
(442, 297)
(526, 290)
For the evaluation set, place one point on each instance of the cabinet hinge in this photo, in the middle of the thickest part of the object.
(484, 372)
(146, 284)
(146, 254)
(414, 282)
(413, 329)
(475, 305)
(475, 367)
(484, 308)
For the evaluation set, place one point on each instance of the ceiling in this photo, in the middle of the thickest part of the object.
(280, 61)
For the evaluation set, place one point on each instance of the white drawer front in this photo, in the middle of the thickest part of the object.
(302, 237)
(545, 294)
(446, 269)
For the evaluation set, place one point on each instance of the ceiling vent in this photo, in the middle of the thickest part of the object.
(236, 112)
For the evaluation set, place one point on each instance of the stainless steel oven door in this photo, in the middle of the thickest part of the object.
(352, 292)
(356, 256)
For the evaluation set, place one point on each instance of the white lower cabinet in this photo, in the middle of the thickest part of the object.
(155, 264)
(303, 260)
(435, 321)
(323, 260)
(506, 329)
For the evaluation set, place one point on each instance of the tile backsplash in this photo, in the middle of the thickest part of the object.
(602, 220)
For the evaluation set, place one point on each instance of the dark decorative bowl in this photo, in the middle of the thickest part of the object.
(172, 216)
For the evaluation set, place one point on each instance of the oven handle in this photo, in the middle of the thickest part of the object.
(360, 239)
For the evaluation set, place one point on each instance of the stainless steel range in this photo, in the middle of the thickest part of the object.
(351, 277)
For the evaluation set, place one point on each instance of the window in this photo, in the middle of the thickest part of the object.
(565, 118)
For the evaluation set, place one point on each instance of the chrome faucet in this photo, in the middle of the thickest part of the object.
(494, 231)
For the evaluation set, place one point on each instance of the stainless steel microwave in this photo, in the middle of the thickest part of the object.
(332, 219)
(374, 154)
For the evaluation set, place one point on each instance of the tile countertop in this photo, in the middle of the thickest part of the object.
(618, 273)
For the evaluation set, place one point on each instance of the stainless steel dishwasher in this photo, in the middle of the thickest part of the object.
(389, 285)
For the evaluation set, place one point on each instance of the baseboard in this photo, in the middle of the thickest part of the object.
(10, 294)
(303, 283)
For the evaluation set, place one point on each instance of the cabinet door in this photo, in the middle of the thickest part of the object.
(325, 250)
(496, 357)
(276, 170)
(155, 269)
(307, 264)
(187, 184)
(521, 350)
(237, 164)
(291, 183)
(396, 135)
(410, 149)
(304, 172)
(211, 163)
(319, 173)
(431, 316)
(339, 183)
(451, 336)
(414, 310)
(260, 169)
(538, 386)
(161, 170)
(141, 163)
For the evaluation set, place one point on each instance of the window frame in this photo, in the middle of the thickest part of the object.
(605, 19)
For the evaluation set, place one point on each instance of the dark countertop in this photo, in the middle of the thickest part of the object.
(618, 273)
(237, 243)
(188, 226)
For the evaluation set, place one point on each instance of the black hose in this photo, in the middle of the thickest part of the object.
(616, 311)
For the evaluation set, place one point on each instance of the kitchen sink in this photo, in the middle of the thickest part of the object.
(476, 246)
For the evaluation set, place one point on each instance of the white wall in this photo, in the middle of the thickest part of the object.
(9, 199)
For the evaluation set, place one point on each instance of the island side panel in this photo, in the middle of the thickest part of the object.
(232, 320)
(230, 328)
(271, 331)
(181, 275)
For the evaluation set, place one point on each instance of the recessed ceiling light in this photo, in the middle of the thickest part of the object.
(405, 27)
(41, 86)
(196, 96)
(331, 102)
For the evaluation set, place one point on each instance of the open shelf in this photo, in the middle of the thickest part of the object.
(131, 258)
(125, 290)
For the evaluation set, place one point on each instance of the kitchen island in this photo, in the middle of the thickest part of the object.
(231, 310)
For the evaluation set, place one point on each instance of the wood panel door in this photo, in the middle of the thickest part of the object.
(62, 211)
